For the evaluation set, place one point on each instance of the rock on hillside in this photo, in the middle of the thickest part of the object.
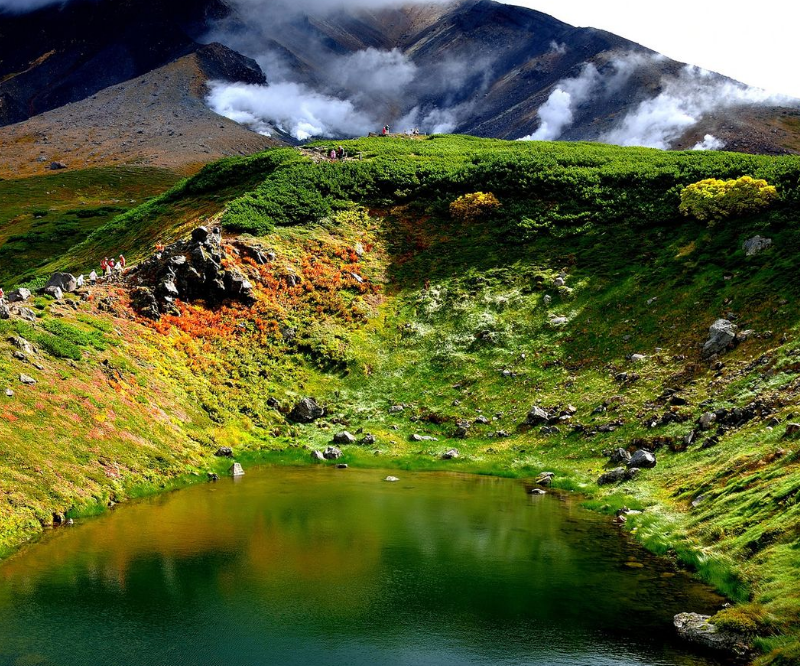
(188, 270)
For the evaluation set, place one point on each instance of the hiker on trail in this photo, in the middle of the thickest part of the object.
(121, 263)
(93, 278)
(2, 294)
(385, 130)
(109, 267)
(79, 281)
(104, 265)
(332, 154)
(340, 153)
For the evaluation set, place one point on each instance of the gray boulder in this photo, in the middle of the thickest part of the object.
(200, 234)
(720, 335)
(451, 454)
(368, 439)
(391, 479)
(55, 292)
(317, 455)
(344, 437)
(756, 244)
(57, 166)
(423, 438)
(619, 455)
(642, 459)
(25, 379)
(5, 313)
(617, 475)
(224, 452)
(545, 479)
(306, 411)
(64, 281)
(707, 420)
(22, 344)
(698, 629)
(236, 469)
(537, 416)
(27, 314)
(19, 295)
(331, 453)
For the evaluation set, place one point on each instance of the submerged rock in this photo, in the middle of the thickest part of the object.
(391, 479)
(236, 469)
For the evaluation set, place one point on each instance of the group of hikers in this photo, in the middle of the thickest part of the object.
(337, 154)
(107, 269)
(410, 132)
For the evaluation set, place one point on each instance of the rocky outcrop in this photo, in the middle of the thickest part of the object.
(306, 411)
(721, 335)
(331, 453)
(698, 629)
(188, 270)
(19, 295)
(344, 437)
(755, 245)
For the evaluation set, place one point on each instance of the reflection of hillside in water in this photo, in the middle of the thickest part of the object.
(343, 553)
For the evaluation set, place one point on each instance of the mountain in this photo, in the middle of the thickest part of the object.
(473, 66)
(537, 306)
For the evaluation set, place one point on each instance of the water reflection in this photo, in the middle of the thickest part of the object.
(338, 567)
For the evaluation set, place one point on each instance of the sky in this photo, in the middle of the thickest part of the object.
(754, 42)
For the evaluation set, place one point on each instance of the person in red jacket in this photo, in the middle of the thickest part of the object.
(2, 294)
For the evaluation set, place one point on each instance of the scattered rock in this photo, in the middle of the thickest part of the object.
(423, 438)
(544, 479)
(344, 437)
(617, 475)
(537, 416)
(5, 312)
(27, 314)
(698, 629)
(482, 420)
(396, 409)
(55, 292)
(721, 334)
(274, 404)
(547, 300)
(792, 429)
(756, 244)
(537, 491)
(369, 440)
(707, 420)
(331, 453)
(19, 355)
(699, 500)
(450, 454)
(462, 430)
(224, 452)
(559, 321)
(19, 295)
(317, 455)
(9, 393)
(642, 459)
(64, 281)
(391, 479)
(306, 411)
(638, 358)
(236, 469)
(59, 519)
(212, 476)
(744, 336)
(25, 379)
(341, 466)
(558, 282)
(619, 455)
(57, 166)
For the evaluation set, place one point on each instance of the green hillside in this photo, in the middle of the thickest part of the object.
(578, 288)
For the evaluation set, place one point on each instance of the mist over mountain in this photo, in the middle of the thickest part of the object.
(335, 69)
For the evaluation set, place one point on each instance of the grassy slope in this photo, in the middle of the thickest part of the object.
(445, 308)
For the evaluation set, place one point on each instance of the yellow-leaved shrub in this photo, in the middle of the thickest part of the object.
(712, 199)
(472, 206)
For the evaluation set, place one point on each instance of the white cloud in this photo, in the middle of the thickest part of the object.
(709, 142)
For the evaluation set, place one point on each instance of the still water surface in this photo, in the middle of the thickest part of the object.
(337, 567)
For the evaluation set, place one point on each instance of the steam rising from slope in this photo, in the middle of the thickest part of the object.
(655, 122)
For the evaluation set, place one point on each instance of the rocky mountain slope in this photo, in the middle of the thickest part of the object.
(537, 310)
(159, 119)
(473, 66)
